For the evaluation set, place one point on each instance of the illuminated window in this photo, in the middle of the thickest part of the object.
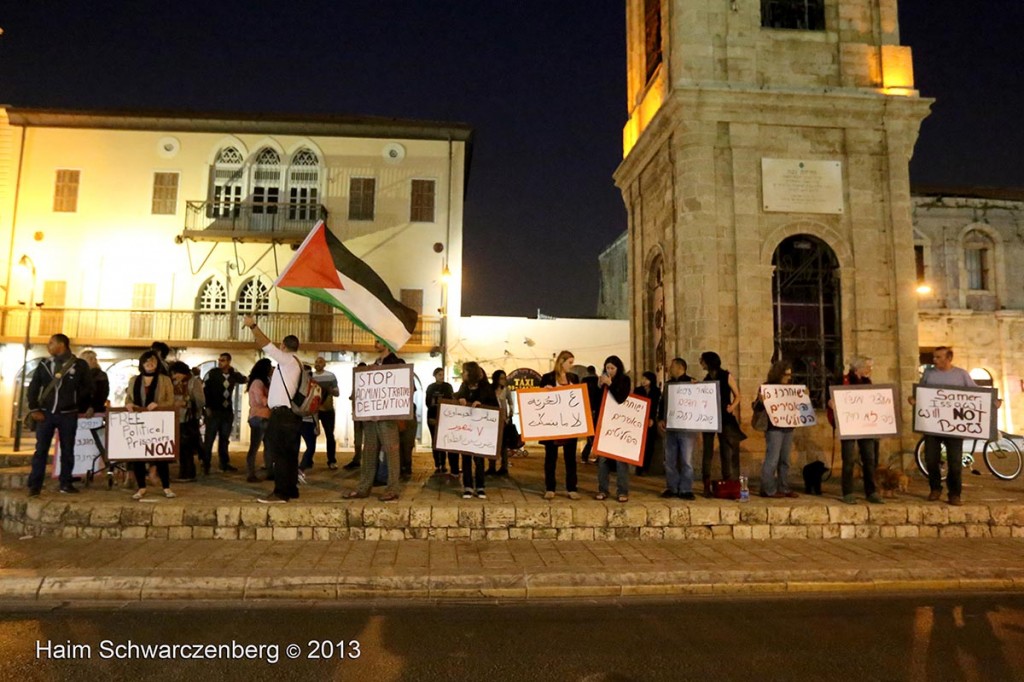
(253, 296)
(226, 180)
(213, 297)
(978, 260)
(919, 262)
(266, 182)
(65, 192)
(303, 185)
(165, 193)
(804, 15)
(421, 209)
(361, 194)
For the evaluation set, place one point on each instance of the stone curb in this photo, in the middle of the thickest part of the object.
(24, 586)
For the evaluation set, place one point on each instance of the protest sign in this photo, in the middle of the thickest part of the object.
(788, 405)
(469, 430)
(955, 411)
(151, 435)
(86, 451)
(621, 431)
(693, 406)
(865, 411)
(555, 413)
(382, 392)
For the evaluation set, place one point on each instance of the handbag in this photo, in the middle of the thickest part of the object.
(29, 422)
(726, 490)
(759, 418)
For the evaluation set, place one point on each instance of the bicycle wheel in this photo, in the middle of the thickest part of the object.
(1003, 459)
(922, 463)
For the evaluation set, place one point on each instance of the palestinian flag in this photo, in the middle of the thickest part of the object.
(324, 270)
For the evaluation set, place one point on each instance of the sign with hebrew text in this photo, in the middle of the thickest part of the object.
(555, 413)
(621, 431)
(865, 411)
(693, 406)
(788, 405)
(955, 411)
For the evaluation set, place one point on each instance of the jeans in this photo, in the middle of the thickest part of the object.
(621, 476)
(65, 424)
(326, 419)
(868, 448)
(282, 445)
(728, 450)
(218, 424)
(954, 461)
(679, 461)
(775, 472)
(308, 432)
(551, 461)
(257, 427)
(472, 472)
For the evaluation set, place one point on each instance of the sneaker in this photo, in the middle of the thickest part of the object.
(351, 465)
(667, 494)
(573, 495)
(332, 466)
(687, 496)
(549, 495)
(849, 499)
(227, 468)
(302, 477)
(875, 498)
(272, 498)
(934, 495)
(481, 494)
(955, 501)
(139, 494)
(169, 494)
(467, 494)
(34, 492)
(69, 489)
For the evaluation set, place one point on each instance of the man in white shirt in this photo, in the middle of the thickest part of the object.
(945, 374)
(285, 427)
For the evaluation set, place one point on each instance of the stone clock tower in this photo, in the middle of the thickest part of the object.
(766, 182)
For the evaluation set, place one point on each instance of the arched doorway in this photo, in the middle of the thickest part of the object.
(656, 332)
(806, 311)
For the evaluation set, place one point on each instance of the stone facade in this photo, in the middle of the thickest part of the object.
(726, 95)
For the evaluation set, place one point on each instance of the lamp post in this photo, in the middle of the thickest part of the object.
(26, 263)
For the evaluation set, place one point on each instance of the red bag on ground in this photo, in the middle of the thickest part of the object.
(726, 490)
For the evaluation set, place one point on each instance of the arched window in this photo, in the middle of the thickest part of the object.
(211, 322)
(303, 185)
(226, 184)
(254, 296)
(213, 297)
(806, 306)
(978, 260)
(266, 187)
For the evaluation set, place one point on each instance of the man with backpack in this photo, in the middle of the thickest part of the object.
(61, 387)
(284, 430)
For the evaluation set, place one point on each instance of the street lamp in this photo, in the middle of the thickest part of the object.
(25, 262)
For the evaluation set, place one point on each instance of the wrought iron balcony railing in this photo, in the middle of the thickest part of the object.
(251, 221)
(182, 328)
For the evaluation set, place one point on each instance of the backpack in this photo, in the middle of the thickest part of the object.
(305, 402)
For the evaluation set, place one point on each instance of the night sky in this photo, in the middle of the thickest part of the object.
(542, 83)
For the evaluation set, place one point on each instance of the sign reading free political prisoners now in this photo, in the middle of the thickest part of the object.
(382, 392)
(865, 411)
(693, 407)
(955, 411)
(469, 430)
(621, 431)
(555, 413)
(788, 405)
(151, 435)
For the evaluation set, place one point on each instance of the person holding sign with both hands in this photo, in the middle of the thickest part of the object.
(860, 373)
(616, 385)
(560, 376)
(475, 392)
(778, 441)
(150, 390)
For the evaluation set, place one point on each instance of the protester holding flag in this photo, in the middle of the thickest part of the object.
(380, 435)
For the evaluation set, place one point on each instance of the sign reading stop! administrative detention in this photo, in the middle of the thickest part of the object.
(788, 405)
(382, 392)
(955, 411)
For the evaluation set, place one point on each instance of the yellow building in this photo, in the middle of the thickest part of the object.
(133, 227)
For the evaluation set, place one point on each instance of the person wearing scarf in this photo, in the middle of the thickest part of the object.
(150, 390)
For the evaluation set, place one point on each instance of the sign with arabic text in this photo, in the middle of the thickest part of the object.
(955, 411)
(468, 430)
(621, 432)
(865, 411)
(555, 413)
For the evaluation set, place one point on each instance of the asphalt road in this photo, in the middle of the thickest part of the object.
(881, 637)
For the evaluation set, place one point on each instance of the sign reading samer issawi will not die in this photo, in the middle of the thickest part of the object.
(788, 405)
(151, 435)
(382, 392)
(621, 431)
(955, 412)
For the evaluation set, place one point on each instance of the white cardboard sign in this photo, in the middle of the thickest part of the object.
(788, 405)
(693, 406)
(955, 412)
(621, 431)
(86, 452)
(469, 430)
(555, 413)
(151, 435)
(382, 392)
(865, 411)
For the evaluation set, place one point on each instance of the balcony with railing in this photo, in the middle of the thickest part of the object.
(317, 332)
(250, 221)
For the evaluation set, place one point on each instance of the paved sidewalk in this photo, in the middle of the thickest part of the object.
(49, 569)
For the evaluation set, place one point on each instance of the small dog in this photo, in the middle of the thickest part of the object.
(891, 481)
(813, 473)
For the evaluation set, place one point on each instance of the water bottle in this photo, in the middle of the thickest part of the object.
(744, 490)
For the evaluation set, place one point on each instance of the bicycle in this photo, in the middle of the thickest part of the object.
(1002, 457)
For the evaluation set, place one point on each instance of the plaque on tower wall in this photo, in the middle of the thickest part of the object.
(801, 186)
